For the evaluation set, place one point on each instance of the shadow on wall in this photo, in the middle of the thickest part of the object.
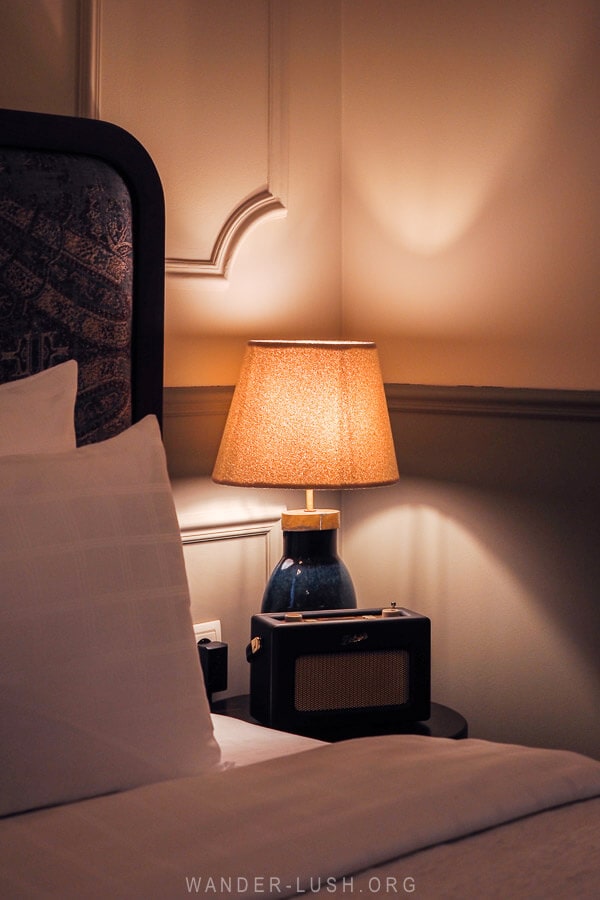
(471, 185)
(46, 36)
(502, 554)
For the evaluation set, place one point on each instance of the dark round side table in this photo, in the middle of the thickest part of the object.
(443, 722)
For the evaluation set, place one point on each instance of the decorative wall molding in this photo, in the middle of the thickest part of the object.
(528, 403)
(210, 400)
(246, 214)
(89, 75)
(210, 514)
(194, 418)
(231, 539)
(269, 200)
(228, 566)
(211, 534)
(240, 531)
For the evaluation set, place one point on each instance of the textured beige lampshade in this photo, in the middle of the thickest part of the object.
(308, 414)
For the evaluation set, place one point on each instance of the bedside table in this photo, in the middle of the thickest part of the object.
(443, 722)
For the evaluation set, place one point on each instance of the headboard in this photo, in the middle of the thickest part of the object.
(82, 264)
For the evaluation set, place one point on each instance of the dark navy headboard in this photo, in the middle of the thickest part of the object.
(82, 264)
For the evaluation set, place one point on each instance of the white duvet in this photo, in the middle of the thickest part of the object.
(295, 824)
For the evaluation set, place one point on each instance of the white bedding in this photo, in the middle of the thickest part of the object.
(114, 701)
(285, 826)
(243, 743)
(553, 855)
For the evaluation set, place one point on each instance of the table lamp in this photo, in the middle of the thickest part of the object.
(309, 415)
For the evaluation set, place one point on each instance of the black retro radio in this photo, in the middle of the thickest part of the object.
(319, 672)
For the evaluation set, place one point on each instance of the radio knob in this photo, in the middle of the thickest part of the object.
(391, 611)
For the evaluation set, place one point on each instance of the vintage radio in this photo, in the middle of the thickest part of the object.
(317, 671)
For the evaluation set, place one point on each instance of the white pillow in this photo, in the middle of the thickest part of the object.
(100, 681)
(37, 414)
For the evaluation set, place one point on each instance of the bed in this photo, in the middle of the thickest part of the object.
(116, 780)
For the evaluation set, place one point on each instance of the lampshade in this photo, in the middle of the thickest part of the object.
(308, 414)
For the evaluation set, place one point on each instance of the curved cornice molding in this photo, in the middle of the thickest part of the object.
(246, 214)
(269, 200)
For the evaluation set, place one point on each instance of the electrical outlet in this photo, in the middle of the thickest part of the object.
(211, 631)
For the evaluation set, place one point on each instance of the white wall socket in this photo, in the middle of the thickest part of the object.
(209, 630)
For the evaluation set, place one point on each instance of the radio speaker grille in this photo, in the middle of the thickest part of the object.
(356, 680)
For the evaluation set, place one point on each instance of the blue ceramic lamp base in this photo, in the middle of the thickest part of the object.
(309, 576)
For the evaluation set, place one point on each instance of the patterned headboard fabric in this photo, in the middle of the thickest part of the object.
(82, 264)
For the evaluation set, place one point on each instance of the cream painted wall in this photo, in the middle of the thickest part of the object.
(39, 55)
(441, 185)
(471, 189)
(457, 148)
(471, 214)
(229, 98)
(509, 580)
(199, 101)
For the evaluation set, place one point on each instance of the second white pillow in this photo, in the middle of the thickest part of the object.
(37, 414)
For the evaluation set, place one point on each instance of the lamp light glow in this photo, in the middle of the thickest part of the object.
(309, 415)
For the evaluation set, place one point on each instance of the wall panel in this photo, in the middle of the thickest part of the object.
(232, 540)
(471, 190)
(227, 571)
(493, 531)
(39, 55)
(238, 104)
(195, 121)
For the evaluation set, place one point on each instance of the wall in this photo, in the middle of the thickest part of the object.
(221, 134)
(457, 148)
(471, 189)
(239, 106)
(270, 123)
(39, 62)
(439, 177)
(493, 531)
(470, 210)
